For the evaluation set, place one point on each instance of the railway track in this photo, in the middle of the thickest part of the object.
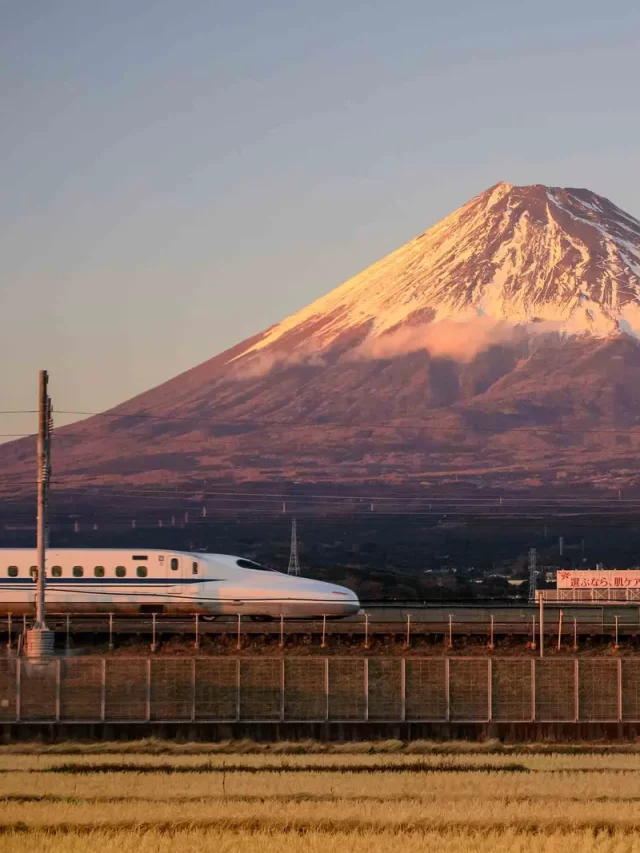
(381, 620)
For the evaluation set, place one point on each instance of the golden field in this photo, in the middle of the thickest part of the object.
(152, 796)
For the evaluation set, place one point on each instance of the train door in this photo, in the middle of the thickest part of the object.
(177, 567)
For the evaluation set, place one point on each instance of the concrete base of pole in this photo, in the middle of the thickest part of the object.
(39, 643)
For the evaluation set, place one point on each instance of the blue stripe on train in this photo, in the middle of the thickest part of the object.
(107, 581)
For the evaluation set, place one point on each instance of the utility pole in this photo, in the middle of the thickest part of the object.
(44, 447)
(39, 640)
(294, 564)
(541, 621)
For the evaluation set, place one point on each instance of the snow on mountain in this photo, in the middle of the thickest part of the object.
(564, 258)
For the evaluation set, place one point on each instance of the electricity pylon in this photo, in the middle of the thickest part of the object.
(294, 564)
(533, 574)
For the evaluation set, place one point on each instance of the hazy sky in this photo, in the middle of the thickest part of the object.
(177, 176)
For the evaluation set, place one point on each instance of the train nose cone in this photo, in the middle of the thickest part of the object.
(349, 601)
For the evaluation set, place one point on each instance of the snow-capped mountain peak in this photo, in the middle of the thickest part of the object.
(517, 255)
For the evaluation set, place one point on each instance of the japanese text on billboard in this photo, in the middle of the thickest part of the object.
(610, 579)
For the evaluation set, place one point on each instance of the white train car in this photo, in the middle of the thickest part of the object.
(148, 580)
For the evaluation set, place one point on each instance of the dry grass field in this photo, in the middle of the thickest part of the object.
(362, 798)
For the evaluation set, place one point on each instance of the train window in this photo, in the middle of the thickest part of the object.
(98, 571)
(12, 571)
(137, 557)
(120, 571)
(174, 564)
(249, 564)
(77, 571)
(194, 568)
(33, 571)
(56, 572)
(141, 571)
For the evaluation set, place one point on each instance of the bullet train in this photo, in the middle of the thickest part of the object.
(130, 582)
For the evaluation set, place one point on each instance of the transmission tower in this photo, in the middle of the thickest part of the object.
(294, 564)
(533, 574)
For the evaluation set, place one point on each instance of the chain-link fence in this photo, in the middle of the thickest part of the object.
(227, 689)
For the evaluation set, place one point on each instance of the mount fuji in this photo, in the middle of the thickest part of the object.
(515, 254)
(500, 346)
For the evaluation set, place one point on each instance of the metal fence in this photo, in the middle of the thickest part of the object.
(317, 689)
(568, 620)
(587, 596)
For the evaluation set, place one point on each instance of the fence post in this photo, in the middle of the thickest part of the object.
(366, 630)
(57, 690)
(237, 688)
(18, 687)
(153, 632)
(575, 634)
(541, 621)
(447, 690)
(619, 690)
(403, 689)
(326, 689)
(239, 639)
(111, 632)
(533, 690)
(617, 645)
(533, 632)
(103, 691)
(196, 645)
(489, 690)
(576, 684)
(193, 689)
(366, 689)
(450, 639)
(8, 630)
(281, 631)
(324, 631)
(148, 691)
(491, 645)
(282, 677)
(560, 615)
(408, 630)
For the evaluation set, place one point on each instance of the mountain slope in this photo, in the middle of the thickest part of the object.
(499, 345)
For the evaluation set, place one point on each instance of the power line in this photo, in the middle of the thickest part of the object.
(196, 493)
(354, 500)
(402, 422)
(398, 423)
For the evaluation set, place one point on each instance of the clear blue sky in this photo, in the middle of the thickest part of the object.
(177, 176)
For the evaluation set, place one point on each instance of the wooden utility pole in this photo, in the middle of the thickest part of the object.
(44, 417)
(39, 640)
